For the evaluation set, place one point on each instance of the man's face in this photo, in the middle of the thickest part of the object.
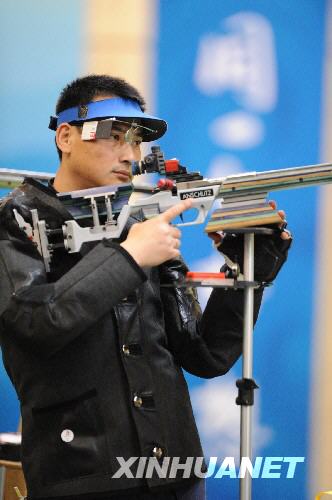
(102, 162)
(99, 162)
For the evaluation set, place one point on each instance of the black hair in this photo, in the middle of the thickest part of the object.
(83, 90)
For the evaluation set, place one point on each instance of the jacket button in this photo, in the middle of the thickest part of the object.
(157, 452)
(67, 435)
(138, 401)
(125, 350)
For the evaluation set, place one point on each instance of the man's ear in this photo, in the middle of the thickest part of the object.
(63, 137)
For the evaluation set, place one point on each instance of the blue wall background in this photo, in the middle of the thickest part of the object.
(240, 85)
(40, 51)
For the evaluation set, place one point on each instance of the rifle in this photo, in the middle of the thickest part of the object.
(243, 200)
(10, 178)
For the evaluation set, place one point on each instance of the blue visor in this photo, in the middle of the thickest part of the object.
(116, 107)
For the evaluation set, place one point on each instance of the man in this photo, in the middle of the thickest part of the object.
(95, 347)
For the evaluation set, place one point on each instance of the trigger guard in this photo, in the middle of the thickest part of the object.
(202, 212)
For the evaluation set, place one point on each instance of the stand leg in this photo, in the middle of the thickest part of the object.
(247, 362)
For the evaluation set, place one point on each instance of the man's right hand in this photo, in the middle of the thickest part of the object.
(155, 241)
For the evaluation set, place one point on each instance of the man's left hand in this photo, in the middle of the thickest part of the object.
(270, 251)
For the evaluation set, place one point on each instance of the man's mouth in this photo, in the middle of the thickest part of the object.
(123, 174)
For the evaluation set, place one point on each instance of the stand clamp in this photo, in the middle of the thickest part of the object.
(246, 388)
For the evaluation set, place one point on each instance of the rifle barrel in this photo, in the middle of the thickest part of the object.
(270, 180)
(247, 182)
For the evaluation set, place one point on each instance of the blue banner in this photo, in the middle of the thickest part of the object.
(240, 85)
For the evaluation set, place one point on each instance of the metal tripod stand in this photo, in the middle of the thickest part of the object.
(246, 385)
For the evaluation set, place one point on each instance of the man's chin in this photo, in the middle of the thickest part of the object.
(122, 178)
(114, 180)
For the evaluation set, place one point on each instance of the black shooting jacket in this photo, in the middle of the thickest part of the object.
(95, 351)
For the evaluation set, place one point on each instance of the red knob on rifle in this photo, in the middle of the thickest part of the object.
(165, 184)
(172, 166)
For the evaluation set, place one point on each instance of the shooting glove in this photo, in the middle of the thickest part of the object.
(270, 253)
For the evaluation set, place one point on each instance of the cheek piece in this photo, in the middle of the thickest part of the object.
(97, 118)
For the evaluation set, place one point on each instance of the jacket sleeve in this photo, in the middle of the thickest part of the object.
(46, 316)
(208, 344)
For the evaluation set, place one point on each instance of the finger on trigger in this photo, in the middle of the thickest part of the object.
(176, 210)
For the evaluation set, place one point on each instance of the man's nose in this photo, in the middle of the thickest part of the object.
(129, 153)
